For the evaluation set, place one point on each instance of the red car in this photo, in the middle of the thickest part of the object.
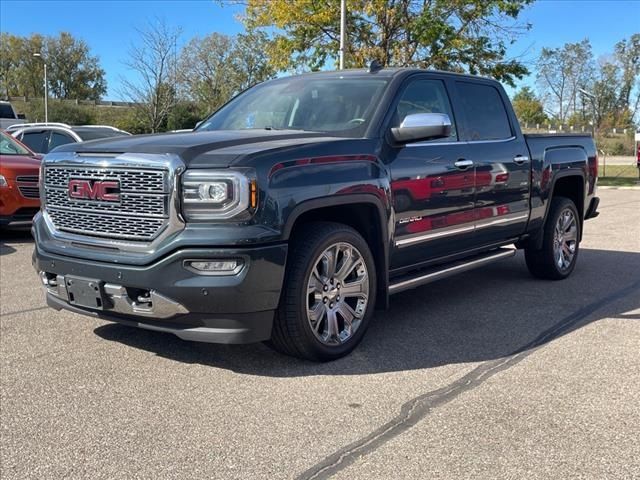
(19, 175)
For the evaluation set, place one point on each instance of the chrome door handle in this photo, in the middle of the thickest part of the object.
(462, 164)
(520, 159)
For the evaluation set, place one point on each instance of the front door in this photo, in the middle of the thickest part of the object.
(432, 183)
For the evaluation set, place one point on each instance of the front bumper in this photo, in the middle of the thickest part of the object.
(166, 296)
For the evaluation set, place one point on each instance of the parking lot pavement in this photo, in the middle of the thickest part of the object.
(491, 374)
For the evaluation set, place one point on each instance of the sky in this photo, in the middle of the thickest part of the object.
(109, 27)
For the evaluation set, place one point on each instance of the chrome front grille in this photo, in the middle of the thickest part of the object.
(112, 226)
(130, 180)
(131, 204)
(141, 214)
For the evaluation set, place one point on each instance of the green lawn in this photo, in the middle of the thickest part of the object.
(618, 176)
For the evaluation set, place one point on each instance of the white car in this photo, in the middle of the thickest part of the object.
(44, 137)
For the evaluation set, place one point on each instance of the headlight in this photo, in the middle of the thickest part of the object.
(3, 181)
(215, 195)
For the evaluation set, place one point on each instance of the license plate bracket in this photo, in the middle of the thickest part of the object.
(85, 292)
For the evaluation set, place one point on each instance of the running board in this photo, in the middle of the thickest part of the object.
(431, 275)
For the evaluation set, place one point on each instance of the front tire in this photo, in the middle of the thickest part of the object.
(329, 293)
(561, 242)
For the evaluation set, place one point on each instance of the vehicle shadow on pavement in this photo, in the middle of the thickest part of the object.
(474, 317)
(12, 236)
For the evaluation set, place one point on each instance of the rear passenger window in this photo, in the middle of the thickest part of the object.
(425, 96)
(484, 111)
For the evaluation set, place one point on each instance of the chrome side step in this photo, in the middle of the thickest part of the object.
(431, 275)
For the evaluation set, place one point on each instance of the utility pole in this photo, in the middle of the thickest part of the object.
(343, 30)
(46, 88)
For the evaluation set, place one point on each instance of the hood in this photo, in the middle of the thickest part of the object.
(202, 149)
(14, 165)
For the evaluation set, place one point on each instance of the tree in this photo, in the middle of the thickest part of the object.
(217, 67)
(73, 72)
(206, 70)
(250, 63)
(153, 60)
(528, 107)
(627, 56)
(561, 73)
(10, 47)
(460, 35)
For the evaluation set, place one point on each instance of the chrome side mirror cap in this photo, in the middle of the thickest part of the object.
(422, 126)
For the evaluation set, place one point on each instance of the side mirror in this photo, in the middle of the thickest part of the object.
(22, 116)
(422, 126)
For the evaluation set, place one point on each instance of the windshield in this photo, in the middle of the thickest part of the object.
(8, 146)
(334, 105)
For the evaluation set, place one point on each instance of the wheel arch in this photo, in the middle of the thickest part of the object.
(569, 184)
(363, 212)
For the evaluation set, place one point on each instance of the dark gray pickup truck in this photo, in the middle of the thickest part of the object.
(288, 214)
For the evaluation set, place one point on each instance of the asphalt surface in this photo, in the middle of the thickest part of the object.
(490, 374)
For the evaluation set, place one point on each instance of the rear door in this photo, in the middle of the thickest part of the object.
(431, 182)
(501, 160)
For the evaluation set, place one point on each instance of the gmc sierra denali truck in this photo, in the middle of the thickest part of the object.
(304, 201)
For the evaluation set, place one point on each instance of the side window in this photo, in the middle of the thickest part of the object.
(35, 141)
(58, 139)
(484, 112)
(425, 96)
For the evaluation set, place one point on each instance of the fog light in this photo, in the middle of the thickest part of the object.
(215, 266)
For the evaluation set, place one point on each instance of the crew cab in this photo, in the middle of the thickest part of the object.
(19, 183)
(304, 202)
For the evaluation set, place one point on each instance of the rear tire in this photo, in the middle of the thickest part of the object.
(328, 296)
(560, 245)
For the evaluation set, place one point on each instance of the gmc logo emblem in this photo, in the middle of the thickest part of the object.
(100, 190)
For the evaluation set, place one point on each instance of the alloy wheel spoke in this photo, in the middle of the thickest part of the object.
(316, 313)
(315, 282)
(329, 259)
(332, 326)
(354, 289)
(349, 262)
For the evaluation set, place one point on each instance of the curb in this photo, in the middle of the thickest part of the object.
(607, 187)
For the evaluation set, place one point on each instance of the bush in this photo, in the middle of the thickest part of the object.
(62, 112)
(131, 122)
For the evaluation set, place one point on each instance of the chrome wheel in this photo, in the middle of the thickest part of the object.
(565, 239)
(337, 294)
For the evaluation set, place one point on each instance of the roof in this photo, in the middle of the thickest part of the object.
(388, 73)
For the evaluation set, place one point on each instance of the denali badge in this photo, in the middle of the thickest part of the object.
(100, 190)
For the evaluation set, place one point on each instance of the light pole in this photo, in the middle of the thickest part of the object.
(46, 88)
(343, 30)
(591, 97)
